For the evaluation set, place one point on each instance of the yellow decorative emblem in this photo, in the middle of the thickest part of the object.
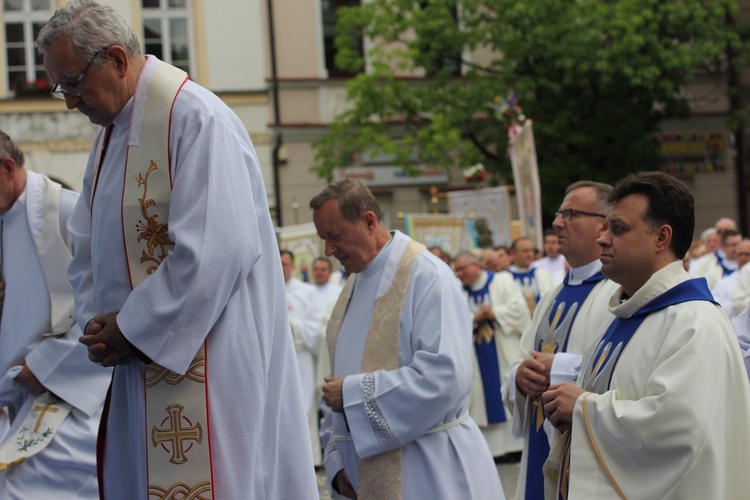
(151, 230)
(201, 491)
(485, 332)
(156, 373)
(176, 434)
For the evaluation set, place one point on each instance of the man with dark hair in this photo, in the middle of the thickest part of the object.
(399, 341)
(553, 261)
(662, 402)
(534, 283)
(564, 323)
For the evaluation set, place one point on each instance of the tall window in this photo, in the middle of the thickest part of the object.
(329, 34)
(167, 31)
(23, 20)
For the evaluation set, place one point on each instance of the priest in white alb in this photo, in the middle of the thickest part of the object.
(662, 404)
(177, 278)
(55, 394)
(396, 423)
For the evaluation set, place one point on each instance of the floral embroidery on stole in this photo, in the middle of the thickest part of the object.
(177, 440)
(379, 475)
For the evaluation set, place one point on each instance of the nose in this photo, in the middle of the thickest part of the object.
(330, 247)
(603, 239)
(71, 101)
(558, 222)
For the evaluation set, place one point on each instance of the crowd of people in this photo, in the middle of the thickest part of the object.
(156, 342)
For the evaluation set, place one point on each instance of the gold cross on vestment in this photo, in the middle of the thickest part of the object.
(175, 433)
(43, 409)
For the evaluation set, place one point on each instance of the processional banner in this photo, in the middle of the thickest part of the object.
(451, 232)
(491, 211)
(522, 152)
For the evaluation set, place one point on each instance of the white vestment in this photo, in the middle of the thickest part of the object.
(300, 300)
(724, 291)
(511, 318)
(534, 283)
(390, 409)
(325, 300)
(709, 266)
(66, 468)
(556, 267)
(221, 283)
(674, 421)
(741, 324)
(591, 317)
(741, 295)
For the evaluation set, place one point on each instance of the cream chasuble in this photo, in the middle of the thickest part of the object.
(379, 475)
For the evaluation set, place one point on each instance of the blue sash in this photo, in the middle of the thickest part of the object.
(528, 283)
(598, 375)
(487, 359)
(552, 336)
(725, 271)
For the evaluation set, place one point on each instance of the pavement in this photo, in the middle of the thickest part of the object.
(508, 472)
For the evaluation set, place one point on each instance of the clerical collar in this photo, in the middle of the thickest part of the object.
(579, 274)
(519, 270)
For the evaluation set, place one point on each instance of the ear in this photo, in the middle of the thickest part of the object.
(120, 59)
(370, 220)
(663, 238)
(8, 168)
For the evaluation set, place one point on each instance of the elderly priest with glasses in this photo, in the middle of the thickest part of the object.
(177, 278)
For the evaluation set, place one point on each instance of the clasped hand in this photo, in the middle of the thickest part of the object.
(105, 342)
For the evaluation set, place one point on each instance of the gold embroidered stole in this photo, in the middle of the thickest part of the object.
(177, 440)
(379, 475)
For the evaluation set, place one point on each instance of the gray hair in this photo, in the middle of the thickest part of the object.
(91, 28)
(602, 192)
(9, 148)
(354, 199)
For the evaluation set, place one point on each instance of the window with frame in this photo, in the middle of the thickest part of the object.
(23, 19)
(167, 31)
(330, 18)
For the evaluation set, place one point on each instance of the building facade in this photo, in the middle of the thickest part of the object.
(272, 62)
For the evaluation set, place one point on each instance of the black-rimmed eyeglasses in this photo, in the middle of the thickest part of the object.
(73, 88)
(570, 213)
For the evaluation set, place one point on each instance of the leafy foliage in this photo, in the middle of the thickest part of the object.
(595, 76)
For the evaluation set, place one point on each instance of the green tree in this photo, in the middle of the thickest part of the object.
(595, 76)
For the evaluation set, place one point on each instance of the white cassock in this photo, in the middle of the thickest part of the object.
(741, 295)
(66, 468)
(674, 421)
(324, 295)
(222, 283)
(555, 267)
(741, 324)
(724, 291)
(713, 267)
(325, 300)
(431, 388)
(511, 318)
(300, 300)
(591, 317)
